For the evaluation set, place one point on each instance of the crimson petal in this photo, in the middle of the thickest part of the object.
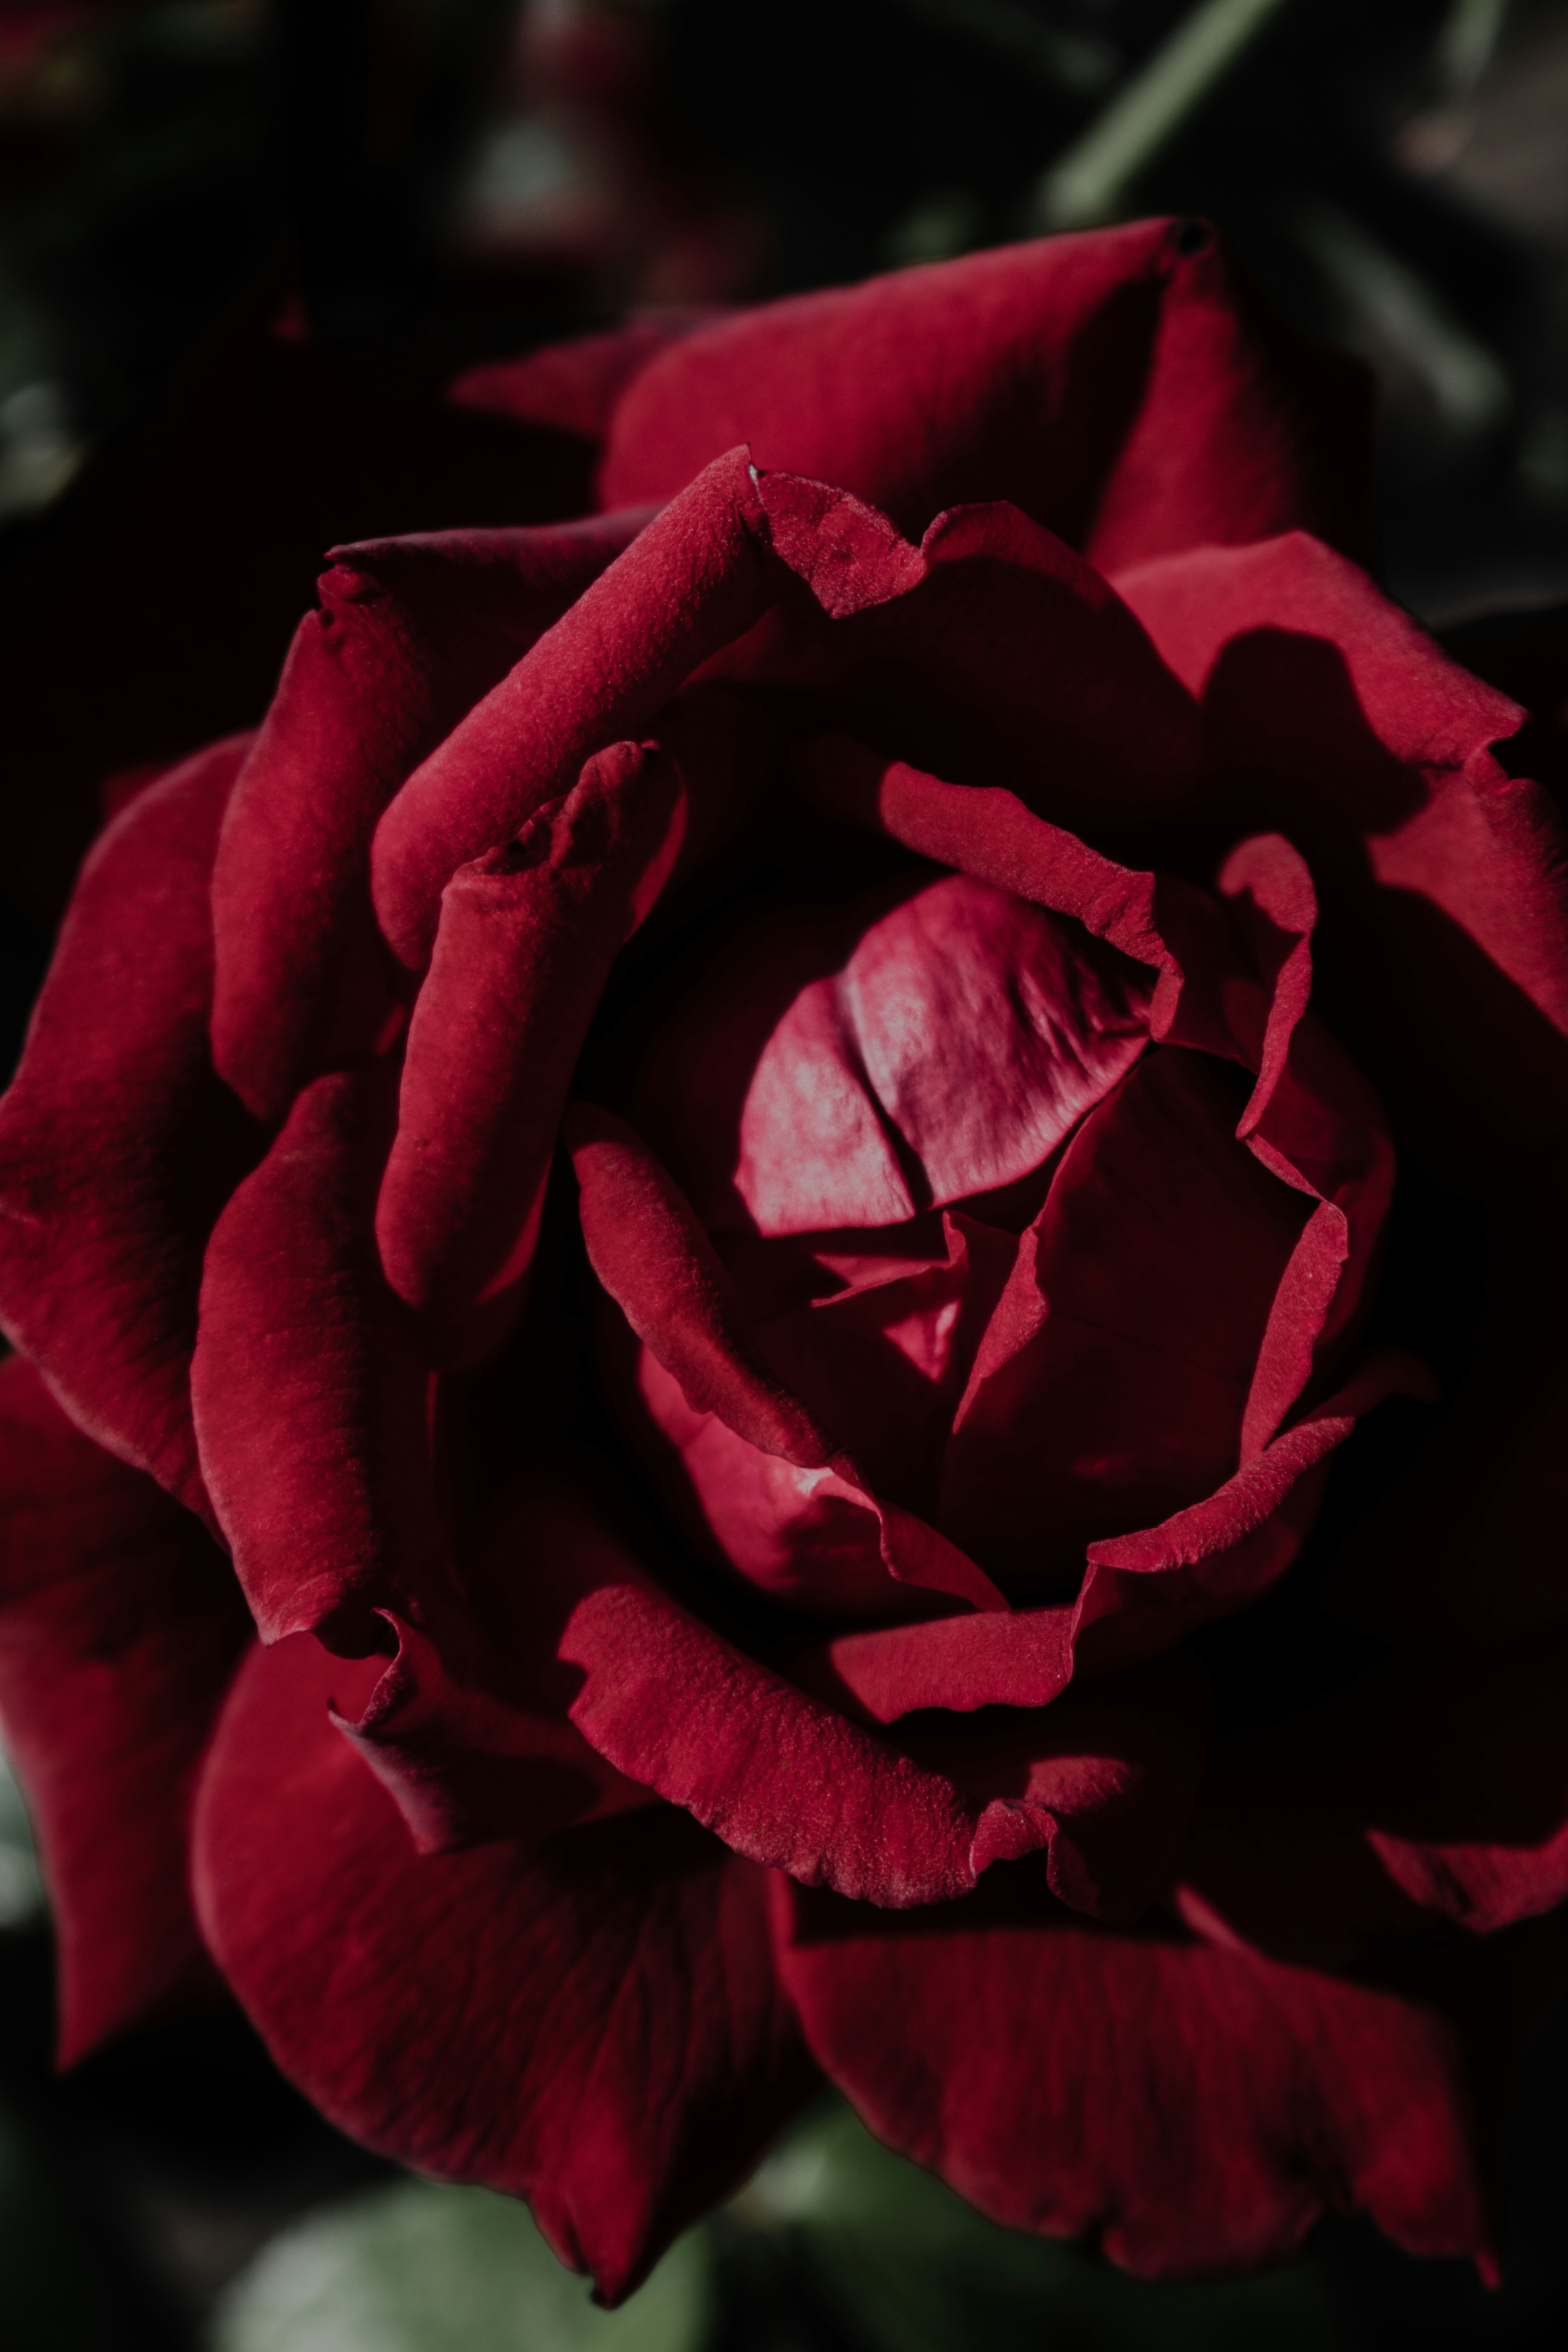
(1447, 876)
(595, 2026)
(410, 634)
(1122, 386)
(1198, 2108)
(118, 1145)
(526, 942)
(119, 1628)
(309, 1396)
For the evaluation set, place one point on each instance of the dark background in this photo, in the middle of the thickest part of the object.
(242, 247)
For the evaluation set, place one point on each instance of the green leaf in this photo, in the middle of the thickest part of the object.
(914, 2269)
(421, 2268)
(21, 1892)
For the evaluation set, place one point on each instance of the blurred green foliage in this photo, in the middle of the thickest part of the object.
(422, 2268)
(847, 2233)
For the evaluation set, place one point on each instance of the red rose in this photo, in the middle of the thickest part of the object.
(734, 1607)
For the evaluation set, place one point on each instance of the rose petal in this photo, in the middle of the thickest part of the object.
(1118, 387)
(525, 946)
(768, 1478)
(992, 606)
(694, 578)
(1143, 1592)
(992, 630)
(118, 1146)
(1445, 877)
(411, 632)
(843, 1066)
(1111, 1386)
(119, 1627)
(780, 1777)
(309, 1395)
(574, 387)
(595, 2027)
(1198, 2110)
(447, 1728)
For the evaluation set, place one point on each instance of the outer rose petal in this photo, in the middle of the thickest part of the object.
(119, 1627)
(1198, 2108)
(1446, 878)
(574, 387)
(309, 1397)
(410, 634)
(596, 2027)
(118, 1145)
(1118, 386)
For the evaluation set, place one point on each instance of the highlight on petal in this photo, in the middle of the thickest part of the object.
(118, 1144)
(841, 1064)
(594, 2024)
(309, 1396)
(1122, 387)
(1196, 2109)
(525, 945)
(410, 634)
(120, 1629)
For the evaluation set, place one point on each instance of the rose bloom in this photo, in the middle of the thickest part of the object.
(687, 1254)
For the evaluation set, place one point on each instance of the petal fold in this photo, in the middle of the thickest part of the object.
(410, 634)
(310, 1398)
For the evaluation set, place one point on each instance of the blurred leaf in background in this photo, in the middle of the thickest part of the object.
(836, 2242)
(419, 2267)
(21, 1890)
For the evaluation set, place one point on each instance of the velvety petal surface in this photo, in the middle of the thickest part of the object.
(119, 1628)
(310, 1398)
(1122, 387)
(595, 2025)
(118, 1144)
(1196, 2109)
(409, 633)
(526, 943)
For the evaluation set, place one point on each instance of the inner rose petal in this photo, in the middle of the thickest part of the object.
(851, 1065)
